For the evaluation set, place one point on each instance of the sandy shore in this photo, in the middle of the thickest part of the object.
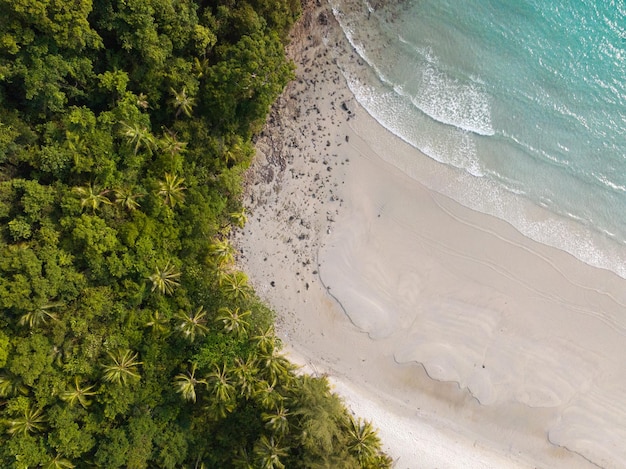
(468, 344)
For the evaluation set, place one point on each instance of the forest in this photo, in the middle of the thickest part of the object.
(128, 338)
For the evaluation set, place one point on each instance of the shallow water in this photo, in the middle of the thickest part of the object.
(523, 102)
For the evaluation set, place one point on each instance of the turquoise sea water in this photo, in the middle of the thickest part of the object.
(526, 98)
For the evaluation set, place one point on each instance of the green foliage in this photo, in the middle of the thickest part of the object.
(127, 336)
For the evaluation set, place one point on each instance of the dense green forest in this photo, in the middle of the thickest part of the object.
(127, 336)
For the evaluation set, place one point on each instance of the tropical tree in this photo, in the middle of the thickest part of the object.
(127, 198)
(165, 280)
(171, 189)
(193, 324)
(276, 421)
(234, 321)
(222, 253)
(186, 383)
(139, 136)
(92, 197)
(223, 390)
(267, 395)
(363, 442)
(239, 217)
(31, 421)
(40, 315)
(159, 324)
(11, 386)
(78, 394)
(245, 372)
(182, 102)
(58, 462)
(170, 144)
(268, 452)
(266, 340)
(275, 367)
(123, 367)
(235, 285)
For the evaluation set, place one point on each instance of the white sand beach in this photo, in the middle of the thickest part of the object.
(467, 344)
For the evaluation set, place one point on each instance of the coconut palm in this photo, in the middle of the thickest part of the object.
(192, 324)
(40, 315)
(165, 280)
(127, 198)
(58, 462)
(268, 452)
(158, 324)
(276, 420)
(363, 441)
(123, 367)
(246, 375)
(239, 217)
(182, 102)
(243, 460)
(139, 136)
(234, 321)
(222, 253)
(267, 396)
(223, 390)
(235, 285)
(92, 197)
(11, 386)
(171, 189)
(186, 384)
(274, 367)
(266, 340)
(78, 394)
(170, 144)
(33, 420)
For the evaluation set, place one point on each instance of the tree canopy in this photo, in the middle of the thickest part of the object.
(127, 336)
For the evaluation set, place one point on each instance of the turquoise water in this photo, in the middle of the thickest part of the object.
(527, 98)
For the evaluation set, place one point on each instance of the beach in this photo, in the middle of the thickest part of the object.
(466, 343)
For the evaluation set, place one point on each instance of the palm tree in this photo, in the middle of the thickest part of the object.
(266, 340)
(235, 285)
(223, 390)
(92, 197)
(246, 373)
(58, 462)
(222, 252)
(166, 279)
(239, 217)
(186, 384)
(123, 368)
(139, 136)
(158, 324)
(268, 452)
(170, 144)
(363, 441)
(172, 190)
(275, 366)
(39, 315)
(127, 198)
(31, 421)
(193, 324)
(78, 394)
(267, 396)
(11, 386)
(234, 321)
(276, 421)
(182, 102)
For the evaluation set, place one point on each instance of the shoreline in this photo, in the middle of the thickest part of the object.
(424, 313)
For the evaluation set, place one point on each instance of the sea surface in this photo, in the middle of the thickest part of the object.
(522, 101)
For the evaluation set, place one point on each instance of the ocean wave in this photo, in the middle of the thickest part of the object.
(443, 98)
